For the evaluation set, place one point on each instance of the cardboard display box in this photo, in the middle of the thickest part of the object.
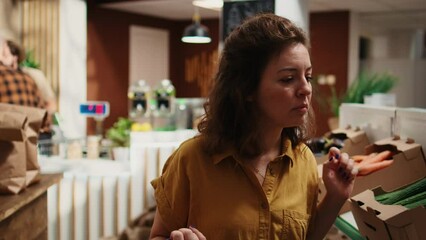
(409, 166)
(379, 221)
(354, 139)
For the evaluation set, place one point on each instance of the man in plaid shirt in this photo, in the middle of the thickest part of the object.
(15, 86)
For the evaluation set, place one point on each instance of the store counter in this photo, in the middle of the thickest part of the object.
(99, 197)
(24, 216)
(149, 152)
(90, 201)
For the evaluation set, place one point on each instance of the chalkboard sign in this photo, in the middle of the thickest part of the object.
(236, 11)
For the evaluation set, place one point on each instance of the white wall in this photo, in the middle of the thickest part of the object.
(397, 53)
(410, 90)
(396, 47)
(72, 69)
(295, 10)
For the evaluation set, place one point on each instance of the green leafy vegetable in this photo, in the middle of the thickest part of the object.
(119, 133)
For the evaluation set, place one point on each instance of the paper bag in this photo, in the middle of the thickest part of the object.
(36, 119)
(12, 152)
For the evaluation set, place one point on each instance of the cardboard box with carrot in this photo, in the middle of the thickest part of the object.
(386, 212)
(353, 142)
(408, 165)
(405, 164)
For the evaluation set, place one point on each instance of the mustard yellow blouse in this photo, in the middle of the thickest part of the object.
(220, 195)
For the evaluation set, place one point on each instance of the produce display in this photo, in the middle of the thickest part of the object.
(410, 196)
(367, 164)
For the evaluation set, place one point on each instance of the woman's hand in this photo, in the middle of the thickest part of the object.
(189, 233)
(338, 175)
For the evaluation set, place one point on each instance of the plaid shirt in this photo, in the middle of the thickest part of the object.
(18, 88)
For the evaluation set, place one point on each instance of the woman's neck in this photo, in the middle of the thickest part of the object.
(271, 142)
(271, 147)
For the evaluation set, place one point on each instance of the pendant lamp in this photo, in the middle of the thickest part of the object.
(196, 32)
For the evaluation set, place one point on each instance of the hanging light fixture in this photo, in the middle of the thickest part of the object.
(209, 4)
(196, 32)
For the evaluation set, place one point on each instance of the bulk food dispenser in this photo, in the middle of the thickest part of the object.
(139, 98)
(163, 107)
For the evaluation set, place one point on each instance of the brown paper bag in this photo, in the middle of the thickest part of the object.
(36, 119)
(12, 152)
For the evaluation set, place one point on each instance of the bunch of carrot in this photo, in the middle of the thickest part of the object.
(367, 164)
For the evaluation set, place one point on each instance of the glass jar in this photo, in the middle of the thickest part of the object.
(139, 95)
(165, 94)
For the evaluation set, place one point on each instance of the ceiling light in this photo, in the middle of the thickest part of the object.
(210, 4)
(196, 32)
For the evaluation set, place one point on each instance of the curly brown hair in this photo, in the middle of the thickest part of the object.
(230, 119)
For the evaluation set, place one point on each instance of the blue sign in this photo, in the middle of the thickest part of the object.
(95, 109)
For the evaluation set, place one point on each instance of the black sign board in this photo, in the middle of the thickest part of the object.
(236, 11)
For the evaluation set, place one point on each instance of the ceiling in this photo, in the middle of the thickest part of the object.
(183, 9)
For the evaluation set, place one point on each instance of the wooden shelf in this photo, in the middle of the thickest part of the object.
(24, 216)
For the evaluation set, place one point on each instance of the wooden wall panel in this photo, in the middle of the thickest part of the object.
(202, 56)
(329, 34)
(40, 34)
(108, 56)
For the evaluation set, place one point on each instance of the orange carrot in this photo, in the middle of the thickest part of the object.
(373, 157)
(369, 168)
(380, 157)
(367, 164)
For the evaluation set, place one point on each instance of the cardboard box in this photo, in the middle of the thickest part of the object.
(354, 140)
(379, 221)
(409, 166)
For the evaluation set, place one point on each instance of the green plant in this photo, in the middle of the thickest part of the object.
(119, 133)
(29, 61)
(365, 84)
